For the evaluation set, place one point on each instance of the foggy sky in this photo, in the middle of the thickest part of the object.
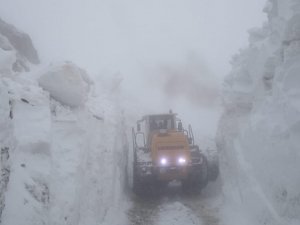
(117, 34)
(149, 42)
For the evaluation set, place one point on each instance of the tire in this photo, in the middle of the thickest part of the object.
(146, 186)
(198, 178)
(139, 185)
(203, 180)
(136, 186)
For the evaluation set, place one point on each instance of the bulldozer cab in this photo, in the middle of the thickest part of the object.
(159, 123)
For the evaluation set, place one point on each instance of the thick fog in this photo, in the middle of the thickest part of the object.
(75, 76)
(171, 53)
(117, 34)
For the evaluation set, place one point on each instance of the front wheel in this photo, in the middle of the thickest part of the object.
(213, 170)
(198, 177)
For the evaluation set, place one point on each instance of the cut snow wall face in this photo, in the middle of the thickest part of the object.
(27, 195)
(59, 170)
(16, 54)
(89, 159)
(68, 166)
(259, 145)
(6, 144)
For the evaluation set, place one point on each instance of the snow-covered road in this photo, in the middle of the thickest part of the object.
(177, 208)
(64, 143)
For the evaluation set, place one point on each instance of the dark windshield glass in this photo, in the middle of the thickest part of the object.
(161, 122)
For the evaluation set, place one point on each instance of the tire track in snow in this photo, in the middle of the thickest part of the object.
(175, 207)
(143, 211)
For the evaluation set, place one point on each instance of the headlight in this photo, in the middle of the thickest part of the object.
(163, 161)
(181, 160)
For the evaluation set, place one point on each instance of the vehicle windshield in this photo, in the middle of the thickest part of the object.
(161, 122)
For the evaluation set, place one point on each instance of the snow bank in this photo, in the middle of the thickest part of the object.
(6, 143)
(61, 163)
(66, 83)
(4, 111)
(12, 186)
(69, 164)
(27, 195)
(88, 168)
(258, 134)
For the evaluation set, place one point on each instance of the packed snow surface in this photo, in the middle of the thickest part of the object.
(176, 214)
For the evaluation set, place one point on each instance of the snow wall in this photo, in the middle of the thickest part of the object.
(63, 143)
(259, 132)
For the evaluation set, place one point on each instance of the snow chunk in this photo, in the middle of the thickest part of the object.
(143, 156)
(66, 83)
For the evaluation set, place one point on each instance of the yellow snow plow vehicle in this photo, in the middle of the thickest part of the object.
(164, 151)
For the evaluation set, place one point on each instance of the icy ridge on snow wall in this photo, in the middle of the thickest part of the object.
(259, 132)
(62, 140)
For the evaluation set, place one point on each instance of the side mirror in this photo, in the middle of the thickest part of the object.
(180, 126)
(140, 140)
(138, 127)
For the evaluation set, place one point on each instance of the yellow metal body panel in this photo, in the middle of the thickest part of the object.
(171, 145)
